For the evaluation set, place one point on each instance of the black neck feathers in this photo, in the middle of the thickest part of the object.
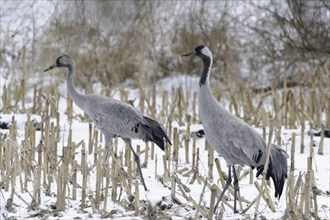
(206, 70)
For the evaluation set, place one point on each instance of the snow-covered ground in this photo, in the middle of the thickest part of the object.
(159, 191)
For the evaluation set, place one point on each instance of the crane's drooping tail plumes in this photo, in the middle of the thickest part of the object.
(155, 132)
(277, 169)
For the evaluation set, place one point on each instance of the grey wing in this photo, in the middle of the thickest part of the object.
(119, 119)
(246, 145)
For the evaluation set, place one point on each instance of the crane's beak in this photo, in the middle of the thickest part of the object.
(50, 68)
(188, 54)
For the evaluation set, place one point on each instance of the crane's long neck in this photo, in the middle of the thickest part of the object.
(204, 83)
(207, 102)
(78, 98)
(207, 61)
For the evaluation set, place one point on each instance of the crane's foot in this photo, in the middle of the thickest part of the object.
(146, 190)
(143, 183)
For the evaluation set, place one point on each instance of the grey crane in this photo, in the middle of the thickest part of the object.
(112, 117)
(232, 138)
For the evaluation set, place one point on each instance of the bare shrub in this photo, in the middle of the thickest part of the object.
(290, 36)
(252, 42)
(109, 40)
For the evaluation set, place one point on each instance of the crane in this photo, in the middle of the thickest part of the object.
(112, 117)
(232, 138)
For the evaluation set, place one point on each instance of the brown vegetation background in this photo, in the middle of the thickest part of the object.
(111, 41)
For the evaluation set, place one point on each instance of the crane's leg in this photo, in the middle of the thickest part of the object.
(236, 188)
(228, 182)
(137, 161)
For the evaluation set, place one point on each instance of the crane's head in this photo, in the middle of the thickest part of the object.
(200, 51)
(62, 61)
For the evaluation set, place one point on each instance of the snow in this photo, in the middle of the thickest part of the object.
(157, 191)
(187, 83)
(22, 32)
